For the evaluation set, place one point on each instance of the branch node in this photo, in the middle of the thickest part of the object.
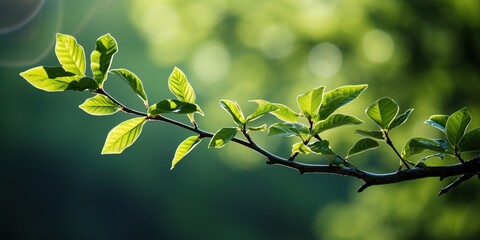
(455, 183)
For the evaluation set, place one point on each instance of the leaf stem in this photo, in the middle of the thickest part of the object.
(390, 143)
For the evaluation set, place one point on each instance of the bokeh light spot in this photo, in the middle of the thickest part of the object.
(325, 60)
(276, 42)
(378, 46)
(210, 62)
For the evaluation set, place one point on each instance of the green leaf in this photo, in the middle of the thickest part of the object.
(333, 121)
(184, 148)
(401, 119)
(309, 103)
(258, 129)
(222, 136)
(288, 129)
(82, 84)
(300, 148)
(101, 57)
(56, 79)
(284, 113)
(362, 145)
(470, 141)
(234, 110)
(417, 145)
(456, 125)
(100, 105)
(263, 108)
(373, 134)
(382, 112)
(123, 135)
(70, 54)
(421, 162)
(133, 81)
(173, 106)
(323, 148)
(180, 87)
(438, 121)
(333, 100)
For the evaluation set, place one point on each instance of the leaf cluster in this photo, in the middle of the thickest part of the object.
(314, 114)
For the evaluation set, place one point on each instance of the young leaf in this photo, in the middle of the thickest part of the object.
(309, 103)
(373, 134)
(70, 54)
(284, 113)
(401, 119)
(82, 84)
(52, 79)
(470, 141)
(300, 147)
(101, 57)
(323, 148)
(382, 112)
(133, 81)
(99, 105)
(332, 100)
(438, 121)
(362, 145)
(173, 106)
(456, 125)
(222, 136)
(180, 87)
(123, 135)
(421, 162)
(333, 121)
(184, 148)
(263, 108)
(288, 129)
(234, 110)
(258, 129)
(417, 145)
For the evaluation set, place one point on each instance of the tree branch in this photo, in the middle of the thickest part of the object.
(467, 169)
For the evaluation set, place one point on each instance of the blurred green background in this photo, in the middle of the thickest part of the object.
(56, 185)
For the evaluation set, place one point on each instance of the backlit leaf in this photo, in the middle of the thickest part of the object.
(334, 99)
(184, 148)
(401, 119)
(288, 129)
(382, 112)
(258, 129)
(222, 136)
(456, 125)
(180, 87)
(123, 135)
(333, 121)
(56, 79)
(101, 58)
(234, 110)
(438, 121)
(100, 105)
(417, 145)
(470, 141)
(173, 106)
(300, 147)
(309, 103)
(70, 54)
(263, 108)
(285, 113)
(134, 82)
(362, 145)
